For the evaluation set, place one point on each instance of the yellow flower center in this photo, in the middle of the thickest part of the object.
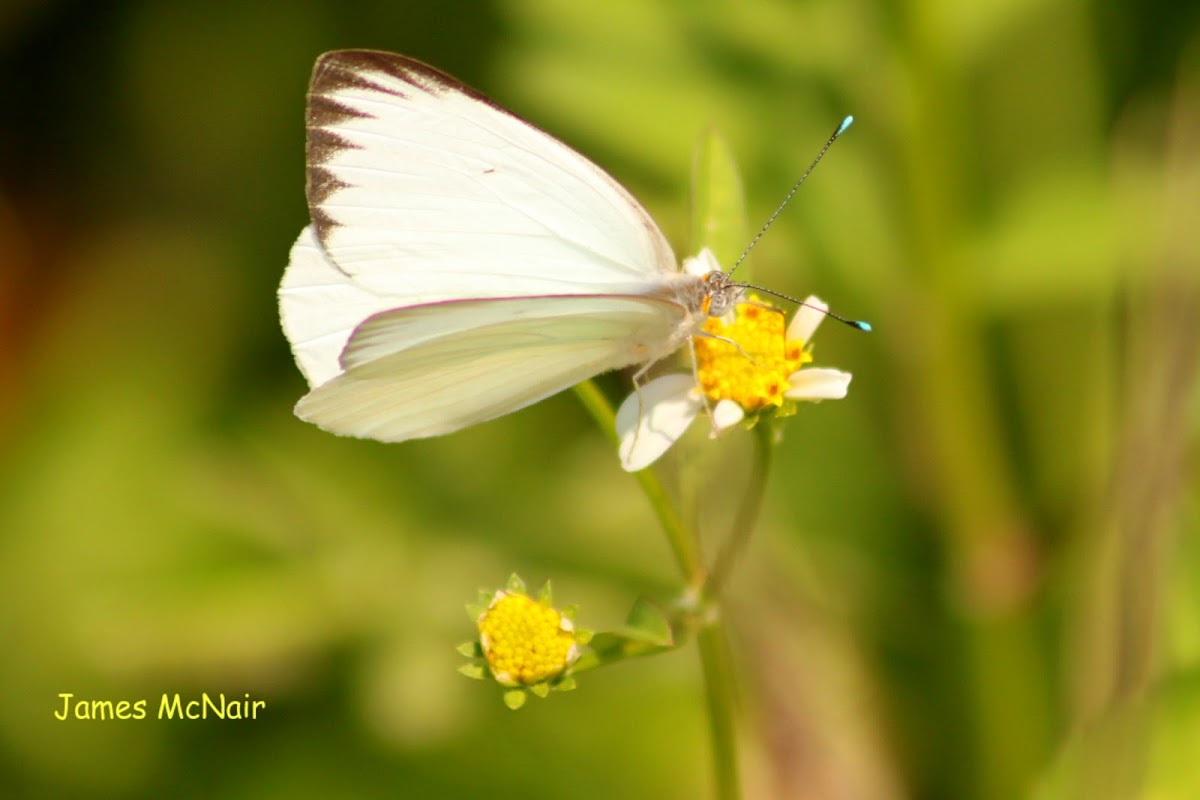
(524, 641)
(760, 380)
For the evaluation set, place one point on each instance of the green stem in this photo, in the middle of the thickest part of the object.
(747, 513)
(710, 637)
(720, 688)
(719, 691)
(682, 542)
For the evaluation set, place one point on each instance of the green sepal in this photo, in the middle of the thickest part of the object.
(569, 612)
(545, 595)
(584, 635)
(476, 671)
(542, 690)
(470, 650)
(482, 603)
(516, 585)
(565, 685)
(514, 699)
(788, 409)
(718, 202)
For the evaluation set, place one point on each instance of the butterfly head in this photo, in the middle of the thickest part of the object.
(720, 293)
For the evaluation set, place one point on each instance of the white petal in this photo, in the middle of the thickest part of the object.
(702, 263)
(650, 422)
(726, 414)
(818, 384)
(808, 317)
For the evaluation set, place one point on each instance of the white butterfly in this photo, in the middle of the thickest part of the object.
(461, 263)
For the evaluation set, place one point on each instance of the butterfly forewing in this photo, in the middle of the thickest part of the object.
(421, 188)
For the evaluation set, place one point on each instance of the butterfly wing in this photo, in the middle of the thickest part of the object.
(421, 190)
(420, 186)
(319, 307)
(432, 369)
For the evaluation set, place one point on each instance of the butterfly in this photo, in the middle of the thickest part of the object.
(461, 263)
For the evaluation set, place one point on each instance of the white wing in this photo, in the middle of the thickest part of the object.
(423, 190)
(320, 307)
(433, 369)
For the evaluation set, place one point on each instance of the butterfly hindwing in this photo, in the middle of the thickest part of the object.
(429, 370)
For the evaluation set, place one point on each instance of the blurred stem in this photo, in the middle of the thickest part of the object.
(714, 647)
(986, 532)
(747, 513)
(681, 540)
(719, 692)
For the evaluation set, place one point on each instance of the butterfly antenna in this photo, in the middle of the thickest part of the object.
(857, 324)
(840, 130)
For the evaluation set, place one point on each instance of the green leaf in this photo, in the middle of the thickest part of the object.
(647, 622)
(718, 202)
(515, 698)
(646, 631)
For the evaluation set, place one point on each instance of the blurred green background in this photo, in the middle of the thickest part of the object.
(976, 577)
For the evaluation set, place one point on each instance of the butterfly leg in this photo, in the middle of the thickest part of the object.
(776, 310)
(726, 340)
(712, 420)
(637, 389)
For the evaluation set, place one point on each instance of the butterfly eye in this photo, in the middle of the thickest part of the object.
(719, 305)
(722, 295)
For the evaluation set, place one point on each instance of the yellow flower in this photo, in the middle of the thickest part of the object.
(524, 641)
(745, 363)
(525, 644)
(753, 373)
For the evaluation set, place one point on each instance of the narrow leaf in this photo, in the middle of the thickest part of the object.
(718, 202)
